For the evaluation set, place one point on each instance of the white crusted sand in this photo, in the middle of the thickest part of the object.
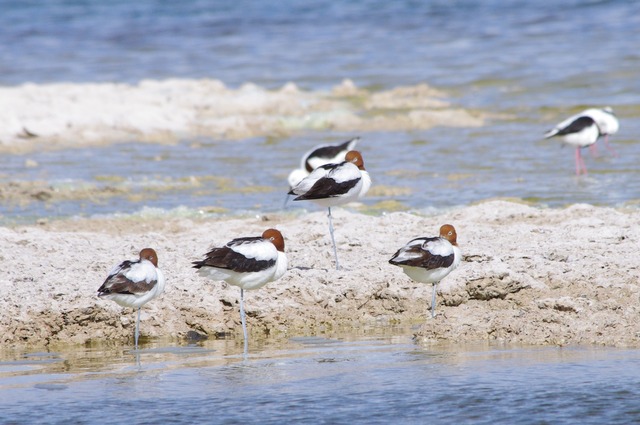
(530, 275)
(63, 115)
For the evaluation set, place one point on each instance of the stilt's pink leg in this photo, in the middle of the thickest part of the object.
(580, 163)
(611, 150)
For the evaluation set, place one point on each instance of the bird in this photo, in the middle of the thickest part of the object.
(246, 262)
(320, 155)
(607, 122)
(579, 131)
(335, 184)
(134, 283)
(430, 259)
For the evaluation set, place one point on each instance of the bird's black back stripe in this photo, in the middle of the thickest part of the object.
(119, 284)
(228, 259)
(328, 188)
(240, 241)
(577, 125)
(423, 258)
(425, 261)
(326, 152)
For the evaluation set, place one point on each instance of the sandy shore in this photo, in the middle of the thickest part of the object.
(65, 115)
(529, 275)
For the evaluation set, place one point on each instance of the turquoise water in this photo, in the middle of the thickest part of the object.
(373, 380)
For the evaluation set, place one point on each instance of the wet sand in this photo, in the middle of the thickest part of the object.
(529, 275)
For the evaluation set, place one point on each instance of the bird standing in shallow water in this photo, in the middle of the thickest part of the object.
(607, 123)
(580, 131)
(335, 184)
(134, 283)
(430, 259)
(249, 263)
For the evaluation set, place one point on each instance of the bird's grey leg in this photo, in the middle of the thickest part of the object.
(244, 322)
(433, 300)
(137, 328)
(335, 250)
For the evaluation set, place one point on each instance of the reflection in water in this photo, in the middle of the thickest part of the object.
(335, 380)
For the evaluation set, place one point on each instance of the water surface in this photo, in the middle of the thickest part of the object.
(376, 379)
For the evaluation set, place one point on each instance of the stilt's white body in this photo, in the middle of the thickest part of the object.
(605, 119)
(581, 137)
(579, 131)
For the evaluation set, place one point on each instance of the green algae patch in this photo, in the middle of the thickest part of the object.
(389, 205)
(389, 191)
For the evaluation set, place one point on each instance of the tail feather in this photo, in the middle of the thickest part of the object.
(550, 133)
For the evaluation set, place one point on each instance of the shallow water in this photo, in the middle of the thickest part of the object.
(529, 63)
(423, 171)
(376, 379)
